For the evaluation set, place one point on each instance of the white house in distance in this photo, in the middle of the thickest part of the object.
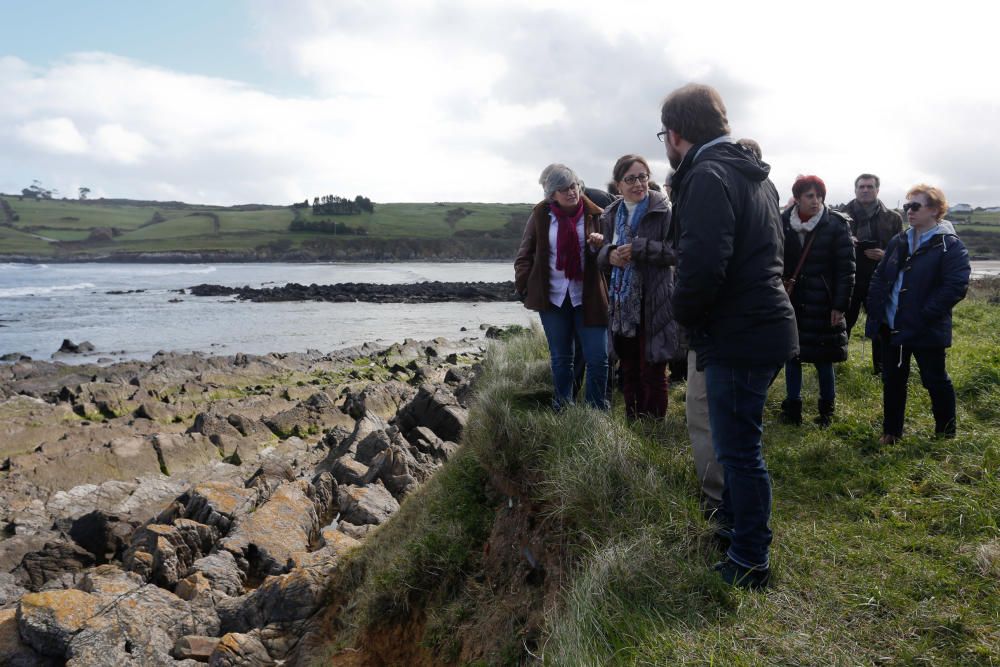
(960, 208)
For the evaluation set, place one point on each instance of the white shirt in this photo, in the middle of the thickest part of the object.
(559, 284)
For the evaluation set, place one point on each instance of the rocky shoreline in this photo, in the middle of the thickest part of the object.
(426, 292)
(188, 509)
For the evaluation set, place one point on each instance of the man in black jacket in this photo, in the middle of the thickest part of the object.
(730, 297)
(872, 227)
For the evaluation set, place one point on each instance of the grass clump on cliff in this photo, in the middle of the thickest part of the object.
(886, 555)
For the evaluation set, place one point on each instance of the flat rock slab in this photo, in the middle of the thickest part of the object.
(48, 621)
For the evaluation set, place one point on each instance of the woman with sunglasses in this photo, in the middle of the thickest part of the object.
(923, 274)
(640, 258)
(556, 274)
(819, 277)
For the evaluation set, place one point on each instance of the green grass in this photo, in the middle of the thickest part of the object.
(239, 229)
(883, 555)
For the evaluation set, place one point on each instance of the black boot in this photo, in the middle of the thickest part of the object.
(825, 413)
(791, 411)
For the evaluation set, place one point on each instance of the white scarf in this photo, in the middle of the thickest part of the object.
(803, 228)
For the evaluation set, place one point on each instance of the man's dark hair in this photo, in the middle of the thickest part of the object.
(613, 189)
(696, 112)
(866, 177)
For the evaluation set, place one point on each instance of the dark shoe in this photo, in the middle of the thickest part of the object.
(947, 432)
(825, 416)
(889, 439)
(750, 578)
(791, 411)
(723, 537)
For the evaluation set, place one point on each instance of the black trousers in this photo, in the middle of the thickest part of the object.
(933, 375)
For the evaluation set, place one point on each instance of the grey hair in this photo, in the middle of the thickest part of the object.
(557, 177)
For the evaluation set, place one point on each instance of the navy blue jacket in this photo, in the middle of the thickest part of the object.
(728, 292)
(935, 278)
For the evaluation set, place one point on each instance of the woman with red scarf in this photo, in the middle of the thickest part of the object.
(556, 274)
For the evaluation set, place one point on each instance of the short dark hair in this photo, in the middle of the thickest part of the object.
(696, 112)
(753, 146)
(625, 163)
(868, 177)
(613, 189)
(804, 184)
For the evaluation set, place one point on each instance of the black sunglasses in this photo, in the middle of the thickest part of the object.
(912, 206)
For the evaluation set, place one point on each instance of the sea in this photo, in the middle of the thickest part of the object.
(42, 304)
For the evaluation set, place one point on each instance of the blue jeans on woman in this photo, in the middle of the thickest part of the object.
(824, 371)
(562, 326)
(736, 396)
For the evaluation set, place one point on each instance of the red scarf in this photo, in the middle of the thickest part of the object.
(567, 241)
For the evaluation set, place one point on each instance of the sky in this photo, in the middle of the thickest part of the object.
(268, 101)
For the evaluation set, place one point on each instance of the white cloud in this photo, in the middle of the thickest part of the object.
(52, 135)
(418, 101)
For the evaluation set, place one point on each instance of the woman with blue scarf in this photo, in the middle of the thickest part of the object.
(638, 251)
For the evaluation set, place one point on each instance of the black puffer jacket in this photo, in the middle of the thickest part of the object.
(728, 290)
(824, 284)
(653, 255)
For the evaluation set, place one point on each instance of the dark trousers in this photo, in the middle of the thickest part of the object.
(933, 375)
(736, 398)
(644, 384)
(858, 299)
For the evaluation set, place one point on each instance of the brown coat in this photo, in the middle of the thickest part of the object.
(531, 268)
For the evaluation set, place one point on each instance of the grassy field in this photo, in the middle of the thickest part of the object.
(883, 555)
(189, 228)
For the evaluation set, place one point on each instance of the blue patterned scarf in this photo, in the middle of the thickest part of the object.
(625, 293)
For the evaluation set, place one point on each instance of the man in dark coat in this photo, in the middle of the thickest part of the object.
(872, 227)
(729, 295)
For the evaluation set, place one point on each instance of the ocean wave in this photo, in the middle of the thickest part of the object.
(11, 292)
(10, 266)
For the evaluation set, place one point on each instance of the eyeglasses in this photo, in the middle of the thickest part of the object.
(642, 178)
(662, 135)
(567, 190)
(912, 206)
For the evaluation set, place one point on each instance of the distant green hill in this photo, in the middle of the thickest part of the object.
(127, 229)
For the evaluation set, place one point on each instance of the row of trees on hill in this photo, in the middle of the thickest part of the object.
(334, 205)
(38, 191)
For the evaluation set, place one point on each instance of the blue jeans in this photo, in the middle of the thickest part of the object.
(736, 398)
(824, 371)
(562, 326)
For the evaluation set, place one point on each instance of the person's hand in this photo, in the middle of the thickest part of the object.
(596, 240)
(621, 255)
(836, 317)
(874, 253)
(854, 239)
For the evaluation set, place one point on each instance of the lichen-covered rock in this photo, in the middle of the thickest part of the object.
(173, 550)
(222, 572)
(110, 580)
(240, 650)
(288, 599)
(371, 504)
(48, 621)
(195, 647)
(348, 470)
(138, 628)
(436, 408)
(219, 504)
(280, 527)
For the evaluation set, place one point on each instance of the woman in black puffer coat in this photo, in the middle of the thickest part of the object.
(820, 294)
